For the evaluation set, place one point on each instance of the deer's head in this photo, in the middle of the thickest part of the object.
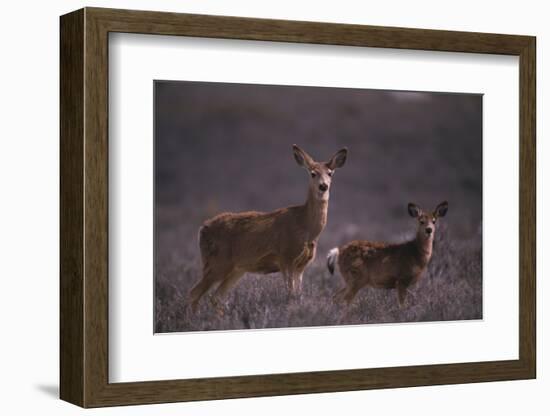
(427, 220)
(320, 173)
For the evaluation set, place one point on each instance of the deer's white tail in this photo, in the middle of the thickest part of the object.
(332, 258)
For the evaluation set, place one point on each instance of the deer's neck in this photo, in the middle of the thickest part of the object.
(315, 216)
(424, 247)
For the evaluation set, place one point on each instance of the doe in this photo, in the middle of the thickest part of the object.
(283, 240)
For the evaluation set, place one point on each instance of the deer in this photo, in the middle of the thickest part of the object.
(385, 265)
(284, 240)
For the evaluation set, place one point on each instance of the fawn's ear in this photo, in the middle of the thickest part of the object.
(414, 210)
(302, 158)
(338, 160)
(441, 209)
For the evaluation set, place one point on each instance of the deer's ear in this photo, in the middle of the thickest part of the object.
(414, 210)
(338, 160)
(301, 157)
(441, 209)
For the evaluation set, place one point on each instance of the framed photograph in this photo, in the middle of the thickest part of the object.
(255, 207)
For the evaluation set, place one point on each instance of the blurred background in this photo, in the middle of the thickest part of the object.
(227, 147)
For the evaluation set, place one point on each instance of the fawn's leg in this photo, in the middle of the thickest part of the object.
(339, 295)
(355, 282)
(351, 292)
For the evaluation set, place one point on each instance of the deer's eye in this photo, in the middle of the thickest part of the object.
(422, 222)
(330, 173)
(313, 174)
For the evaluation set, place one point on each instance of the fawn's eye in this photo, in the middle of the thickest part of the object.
(313, 174)
(434, 220)
(422, 222)
(330, 173)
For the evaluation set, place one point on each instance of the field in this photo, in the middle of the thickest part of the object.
(228, 148)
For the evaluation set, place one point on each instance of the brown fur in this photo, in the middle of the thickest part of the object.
(387, 266)
(284, 240)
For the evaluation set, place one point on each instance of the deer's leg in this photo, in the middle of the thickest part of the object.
(286, 278)
(229, 281)
(354, 283)
(401, 293)
(291, 281)
(287, 275)
(305, 258)
(210, 276)
(298, 277)
(351, 292)
(293, 284)
(339, 295)
(198, 292)
(293, 269)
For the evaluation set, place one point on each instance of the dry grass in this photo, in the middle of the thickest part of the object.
(450, 290)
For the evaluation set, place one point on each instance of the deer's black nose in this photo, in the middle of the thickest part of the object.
(428, 231)
(323, 187)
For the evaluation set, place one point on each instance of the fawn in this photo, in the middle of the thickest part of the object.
(388, 266)
(283, 240)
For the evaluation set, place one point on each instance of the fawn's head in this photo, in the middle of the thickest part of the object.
(427, 220)
(320, 173)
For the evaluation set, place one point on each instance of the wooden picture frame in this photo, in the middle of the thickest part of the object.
(84, 207)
